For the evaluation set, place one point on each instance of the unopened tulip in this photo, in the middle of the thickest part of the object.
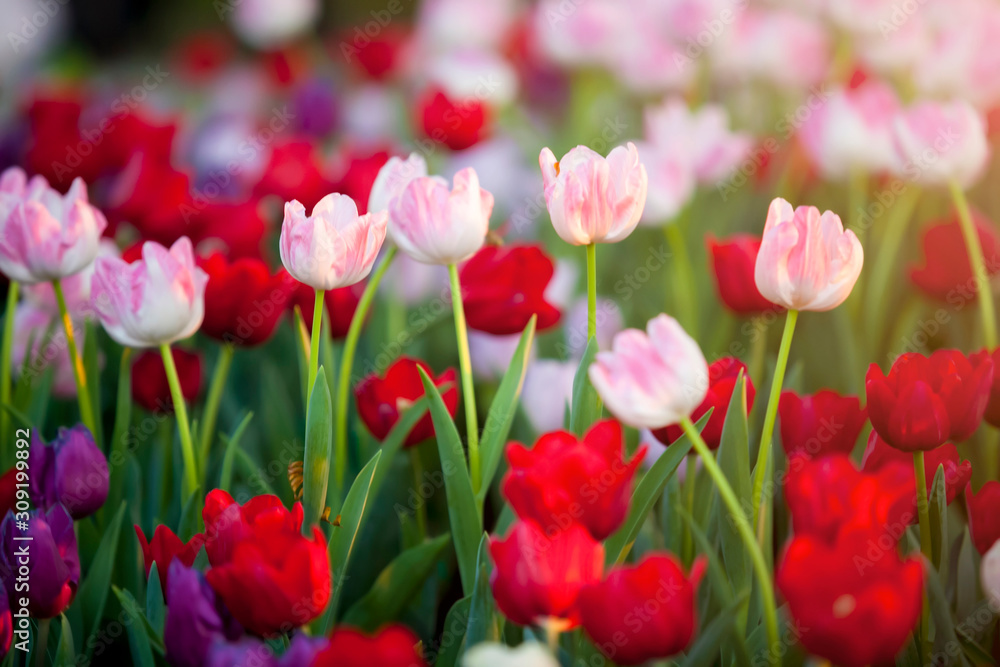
(957, 472)
(392, 646)
(806, 261)
(815, 425)
(155, 301)
(72, 471)
(334, 247)
(435, 225)
(53, 569)
(243, 300)
(393, 178)
(196, 618)
(46, 235)
(164, 548)
(938, 143)
(984, 520)
(733, 263)
(608, 610)
(654, 378)
(592, 199)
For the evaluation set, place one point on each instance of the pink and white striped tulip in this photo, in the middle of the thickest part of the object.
(45, 235)
(937, 143)
(592, 199)
(393, 178)
(156, 300)
(334, 247)
(436, 226)
(654, 378)
(806, 260)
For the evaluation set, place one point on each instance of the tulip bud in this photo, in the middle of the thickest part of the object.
(393, 178)
(392, 646)
(196, 618)
(72, 471)
(54, 567)
(984, 520)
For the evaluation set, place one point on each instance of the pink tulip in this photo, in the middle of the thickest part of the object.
(672, 179)
(592, 199)
(40, 344)
(45, 235)
(393, 178)
(651, 379)
(436, 226)
(334, 247)
(158, 299)
(76, 288)
(937, 143)
(806, 260)
(853, 131)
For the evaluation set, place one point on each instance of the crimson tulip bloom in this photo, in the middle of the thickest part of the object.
(340, 305)
(150, 388)
(164, 548)
(820, 424)
(458, 124)
(294, 171)
(503, 286)
(829, 498)
(360, 169)
(733, 262)
(243, 300)
(381, 400)
(642, 612)
(957, 473)
(270, 576)
(945, 273)
(924, 401)
(992, 414)
(392, 646)
(562, 480)
(859, 606)
(539, 576)
(984, 520)
(722, 376)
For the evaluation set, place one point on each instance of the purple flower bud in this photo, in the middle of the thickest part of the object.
(196, 619)
(252, 652)
(53, 568)
(72, 471)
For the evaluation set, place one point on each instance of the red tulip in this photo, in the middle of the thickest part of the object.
(151, 195)
(722, 376)
(946, 273)
(458, 124)
(957, 473)
(164, 548)
(150, 388)
(733, 261)
(539, 576)
(992, 414)
(340, 305)
(820, 424)
(8, 489)
(924, 401)
(858, 601)
(358, 175)
(829, 498)
(392, 646)
(984, 520)
(294, 171)
(562, 480)
(380, 400)
(267, 573)
(243, 301)
(377, 56)
(503, 286)
(642, 612)
(236, 228)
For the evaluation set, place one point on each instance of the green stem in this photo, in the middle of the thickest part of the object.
(79, 374)
(421, 509)
(42, 642)
(468, 389)
(744, 529)
(923, 509)
(180, 410)
(764, 451)
(347, 366)
(885, 260)
(683, 282)
(211, 412)
(591, 290)
(690, 470)
(978, 263)
(317, 330)
(5, 363)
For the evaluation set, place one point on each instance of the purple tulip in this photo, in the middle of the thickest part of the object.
(315, 106)
(252, 652)
(72, 471)
(53, 562)
(196, 619)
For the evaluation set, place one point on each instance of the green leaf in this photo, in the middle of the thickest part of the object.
(976, 653)
(138, 633)
(504, 407)
(156, 608)
(938, 510)
(453, 637)
(92, 371)
(463, 511)
(397, 436)
(967, 578)
(318, 451)
(716, 573)
(232, 444)
(65, 653)
(944, 624)
(586, 407)
(646, 493)
(705, 651)
(302, 344)
(191, 522)
(396, 586)
(119, 435)
(345, 536)
(93, 592)
(734, 460)
(482, 610)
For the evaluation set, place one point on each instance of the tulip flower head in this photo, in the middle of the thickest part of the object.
(654, 378)
(806, 260)
(392, 179)
(155, 301)
(72, 471)
(984, 520)
(392, 646)
(957, 472)
(164, 548)
(819, 424)
(54, 567)
(733, 263)
(334, 247)
(938, 143)
(196, 618)
(592, 199)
